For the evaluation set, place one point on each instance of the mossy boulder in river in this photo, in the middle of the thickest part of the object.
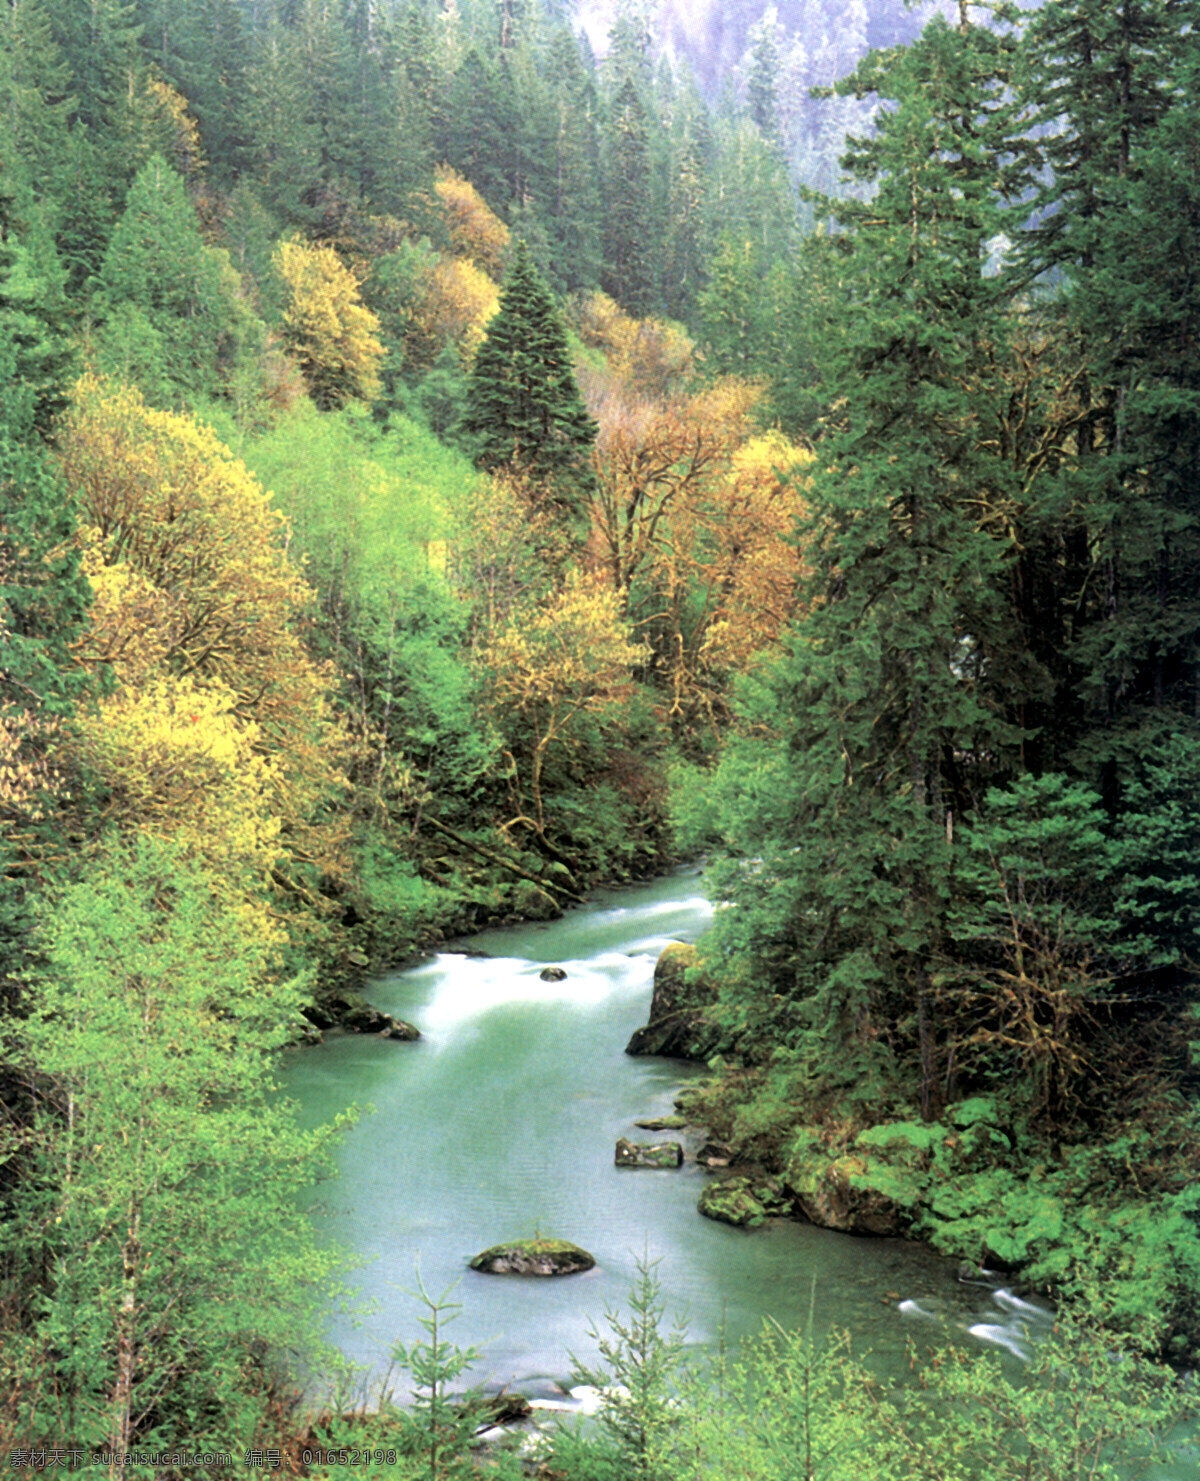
(533, 1257)
(678, 1027)
(648, 1154)
(856, 1193)
(747, 1202)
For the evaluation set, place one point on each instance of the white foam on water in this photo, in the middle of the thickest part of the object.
(1008, 1302)
(698, 904)
(1000, 1337)
(914, 1308)
(474, 986)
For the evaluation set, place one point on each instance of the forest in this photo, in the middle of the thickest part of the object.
(457, 452)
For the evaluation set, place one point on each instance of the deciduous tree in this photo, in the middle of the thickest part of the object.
(326, 327)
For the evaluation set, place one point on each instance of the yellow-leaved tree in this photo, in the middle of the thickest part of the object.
(218, 732)
(475, 229)
(547, 670)
(331, 334)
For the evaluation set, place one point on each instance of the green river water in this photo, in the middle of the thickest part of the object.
(501, 1122)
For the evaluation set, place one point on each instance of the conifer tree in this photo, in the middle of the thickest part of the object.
(35, 91)
(629, 226)
(158, 265)
(524, 414)
(572, 209)
(1118, 227)
(35, 355)
(898, 686)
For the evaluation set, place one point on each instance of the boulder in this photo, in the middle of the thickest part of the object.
(648, 1154)
(505, 1407)
(745, 1201)
(533, 1257)
(351, 1011)
(837, 1194)
(678, 1028)
(663, 1123)
(400, 1029)
(714, 1154)
(552, 974)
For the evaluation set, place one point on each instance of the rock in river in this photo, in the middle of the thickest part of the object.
(748, 1202)
(533, 1257)
(648, 1154)
(678, 1027)
(552, 974)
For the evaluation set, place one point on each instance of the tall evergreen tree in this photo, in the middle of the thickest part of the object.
(524, 414)
(572, 209)
(898, 690)
(99, 40)
(158, 270)
(36, 100)
(763, 73)
(629, 238)
(1118, 227)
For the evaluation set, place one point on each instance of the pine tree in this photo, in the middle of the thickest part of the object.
(99, 41)
(761, 81)
(684, 266)
(572, 208)
(1118, 226)
(36, 101)
(629, 240)
(35, 354)
(524, 414)
(898, 688)
(158, 265)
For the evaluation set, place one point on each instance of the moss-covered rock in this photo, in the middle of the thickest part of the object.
(350, 1011)
(745, 1201)
(662, 1123)
(849, 1193)
(648, 1154)
(678, 1026)
(732, 1202)
(533, 1257)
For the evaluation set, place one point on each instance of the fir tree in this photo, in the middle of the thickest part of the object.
(629, 230)
(1118, 229)
(185, 292)
(524, 414)
(897, 687)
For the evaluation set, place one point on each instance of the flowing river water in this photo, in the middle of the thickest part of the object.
(501, 1122)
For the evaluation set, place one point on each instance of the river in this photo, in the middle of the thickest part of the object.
(501, 1122)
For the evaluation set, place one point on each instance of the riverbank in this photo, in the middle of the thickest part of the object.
(1114, 1221)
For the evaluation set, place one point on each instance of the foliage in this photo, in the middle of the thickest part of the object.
(475, 230)
(195, 611)
(551, 668)
(523, 412)
(326, 327)
(641, 1362)
(161, 1225)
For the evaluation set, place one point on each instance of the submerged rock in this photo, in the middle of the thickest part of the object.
(648, 1154)
(663, 1123)
(678, 1027)
(533, 1257)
